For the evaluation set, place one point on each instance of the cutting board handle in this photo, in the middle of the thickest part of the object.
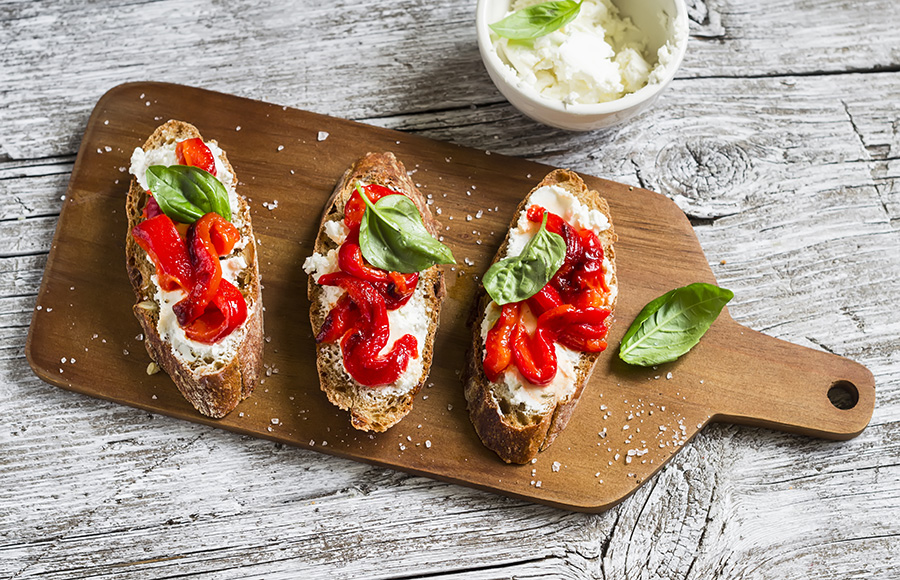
(791, 388)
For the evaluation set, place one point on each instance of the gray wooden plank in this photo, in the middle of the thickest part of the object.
(418, 56)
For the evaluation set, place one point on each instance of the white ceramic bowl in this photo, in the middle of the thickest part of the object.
(661, 20)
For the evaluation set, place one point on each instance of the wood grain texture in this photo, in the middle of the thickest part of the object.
(809, 234)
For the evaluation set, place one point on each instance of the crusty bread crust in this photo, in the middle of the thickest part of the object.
(517, 436)
(212, 394)
(371, 408)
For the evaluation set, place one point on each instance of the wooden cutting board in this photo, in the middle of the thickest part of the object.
(630, 420)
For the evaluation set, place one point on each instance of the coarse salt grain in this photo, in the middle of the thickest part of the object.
(322, 135)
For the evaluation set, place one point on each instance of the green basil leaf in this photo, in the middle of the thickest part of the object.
(520, 277)
(186, 193)
(672, 324)
(392, 236)
(538, 20)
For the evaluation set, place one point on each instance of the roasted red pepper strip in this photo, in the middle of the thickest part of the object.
(225, 312)
(396, 288)
(350, 261)
(581, 329)
(208, 238)
(535, 355)
(195, 153)
(361, 347)
(547, 299)
(399, 290)
(581, 344)
(342, 317)
(499, 343)
(159, 238)
(152, 209)
(356, 207)
(566, 316)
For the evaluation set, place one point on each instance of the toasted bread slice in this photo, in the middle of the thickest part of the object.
(513, 418)
(380, 407)
(213, 378)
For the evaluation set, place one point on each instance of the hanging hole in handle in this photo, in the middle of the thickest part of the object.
(843, 395)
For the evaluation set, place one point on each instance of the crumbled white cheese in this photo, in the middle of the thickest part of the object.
(337, 231)
(597, 57)
(317, 266)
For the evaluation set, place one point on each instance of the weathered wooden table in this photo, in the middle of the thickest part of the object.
(780, 139)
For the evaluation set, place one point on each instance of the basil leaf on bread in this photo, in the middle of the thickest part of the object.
(392, 236)
(518, 278)
(186, 193)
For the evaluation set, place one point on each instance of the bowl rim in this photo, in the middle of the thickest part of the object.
(645, 94)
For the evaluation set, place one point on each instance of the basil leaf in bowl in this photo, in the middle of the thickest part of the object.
(186, 193)
(520, 277)
(392, 236)
(538, 20)
(672, 324)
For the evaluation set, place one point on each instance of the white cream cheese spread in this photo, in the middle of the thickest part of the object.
(599, 56)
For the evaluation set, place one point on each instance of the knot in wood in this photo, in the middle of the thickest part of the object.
(704, 176)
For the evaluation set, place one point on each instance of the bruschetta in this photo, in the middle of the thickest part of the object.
(191, 257)
(375, 292)
(541, 318)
